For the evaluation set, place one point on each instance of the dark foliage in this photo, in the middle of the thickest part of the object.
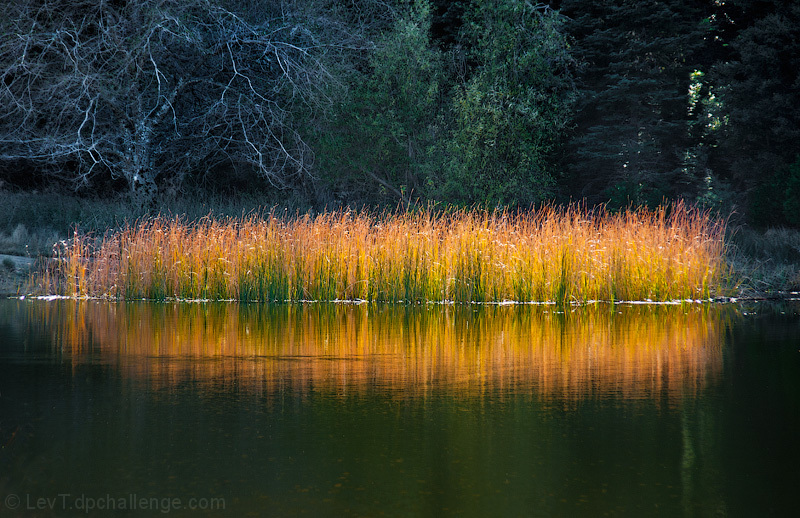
(491, 102)
(757, 141)
(632, 130)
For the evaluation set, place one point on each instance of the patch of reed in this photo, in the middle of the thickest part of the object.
(553, 255)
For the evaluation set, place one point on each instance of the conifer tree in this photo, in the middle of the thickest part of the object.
(632, 134)
(756, 135)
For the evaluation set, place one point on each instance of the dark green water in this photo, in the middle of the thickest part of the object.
(325, 410)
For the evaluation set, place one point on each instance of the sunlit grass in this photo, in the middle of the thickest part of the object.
(550, 255)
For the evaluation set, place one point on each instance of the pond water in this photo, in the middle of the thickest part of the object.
(191, 409)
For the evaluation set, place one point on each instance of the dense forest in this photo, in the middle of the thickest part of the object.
(386, 102)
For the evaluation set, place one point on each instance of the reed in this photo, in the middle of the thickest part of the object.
(549, 255)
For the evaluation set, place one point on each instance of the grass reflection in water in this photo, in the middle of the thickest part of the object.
(633, 352)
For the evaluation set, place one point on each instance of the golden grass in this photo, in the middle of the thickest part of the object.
(549, 255)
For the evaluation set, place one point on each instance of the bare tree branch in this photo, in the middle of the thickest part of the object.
(141, 89)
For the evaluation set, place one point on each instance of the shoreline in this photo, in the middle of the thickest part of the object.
(13, 280)
(759, 279)
(14, 274)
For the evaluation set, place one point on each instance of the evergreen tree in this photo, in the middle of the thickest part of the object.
(411, 125)
(632, 143)
(755, 119)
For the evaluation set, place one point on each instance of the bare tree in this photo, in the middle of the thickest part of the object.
(141, 88)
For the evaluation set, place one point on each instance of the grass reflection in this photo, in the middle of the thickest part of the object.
(633, 352)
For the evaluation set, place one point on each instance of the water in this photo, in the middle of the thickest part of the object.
(143, 409)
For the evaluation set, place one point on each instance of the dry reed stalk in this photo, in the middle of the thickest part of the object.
(561, 256)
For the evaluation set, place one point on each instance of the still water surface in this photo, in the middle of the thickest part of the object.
(357, 410)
